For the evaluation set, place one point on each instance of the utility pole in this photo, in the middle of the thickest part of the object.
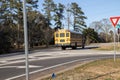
(26, 39)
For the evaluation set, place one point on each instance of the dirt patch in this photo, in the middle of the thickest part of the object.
(105, 69)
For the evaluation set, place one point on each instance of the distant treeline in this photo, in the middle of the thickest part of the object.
(39, 23)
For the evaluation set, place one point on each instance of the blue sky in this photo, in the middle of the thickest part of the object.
(95, 10)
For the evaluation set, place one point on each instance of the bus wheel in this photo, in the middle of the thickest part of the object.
(83, 46)
(63, 48)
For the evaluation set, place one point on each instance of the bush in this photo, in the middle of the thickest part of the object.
(5, 44)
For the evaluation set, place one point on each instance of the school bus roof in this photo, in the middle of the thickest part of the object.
(65, 30)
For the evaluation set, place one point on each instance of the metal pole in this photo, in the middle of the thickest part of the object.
(26, 39)
(114, 46)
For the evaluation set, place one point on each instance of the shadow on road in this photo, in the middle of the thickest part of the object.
(89, 47)
(79, 48)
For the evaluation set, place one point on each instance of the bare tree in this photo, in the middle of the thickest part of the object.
(96, 25)
(102, 27)
(106, 27)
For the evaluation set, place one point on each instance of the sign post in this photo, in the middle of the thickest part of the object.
(114, 21)
(25, 39)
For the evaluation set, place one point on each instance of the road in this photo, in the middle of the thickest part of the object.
(46, 61)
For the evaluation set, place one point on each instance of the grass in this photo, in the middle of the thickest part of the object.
(108, 47)
(105, 69)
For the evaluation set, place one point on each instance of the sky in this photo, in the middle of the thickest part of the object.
(95, 10)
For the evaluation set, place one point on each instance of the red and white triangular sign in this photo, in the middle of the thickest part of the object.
(114, 20)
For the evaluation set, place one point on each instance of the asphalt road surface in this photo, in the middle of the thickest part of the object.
(47, 61)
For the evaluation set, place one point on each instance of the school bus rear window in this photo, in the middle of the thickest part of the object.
(62, 35)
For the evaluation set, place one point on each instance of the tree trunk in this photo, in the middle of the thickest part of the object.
(18, 37)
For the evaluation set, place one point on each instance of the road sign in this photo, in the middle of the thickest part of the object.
(53, 75)
(114, 20)
(118, 26)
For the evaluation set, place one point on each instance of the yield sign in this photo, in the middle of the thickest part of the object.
(114, 20)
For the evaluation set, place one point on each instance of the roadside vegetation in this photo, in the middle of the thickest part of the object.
(108, 46)
(43, 23)
(105, 69)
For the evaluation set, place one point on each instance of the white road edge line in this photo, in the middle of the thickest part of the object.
(46, 68)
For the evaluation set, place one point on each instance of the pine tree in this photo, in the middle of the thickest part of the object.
(78, 16)
(11, 18)
(48, 8)
(59, 15)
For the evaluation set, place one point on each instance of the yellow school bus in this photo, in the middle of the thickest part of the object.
(67, 38)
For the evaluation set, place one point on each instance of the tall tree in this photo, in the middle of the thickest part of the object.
(7, 24)
(78, 16)
(48, 8)
(36, 28)
(31, 4)
(11, 16)
(59, 15)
